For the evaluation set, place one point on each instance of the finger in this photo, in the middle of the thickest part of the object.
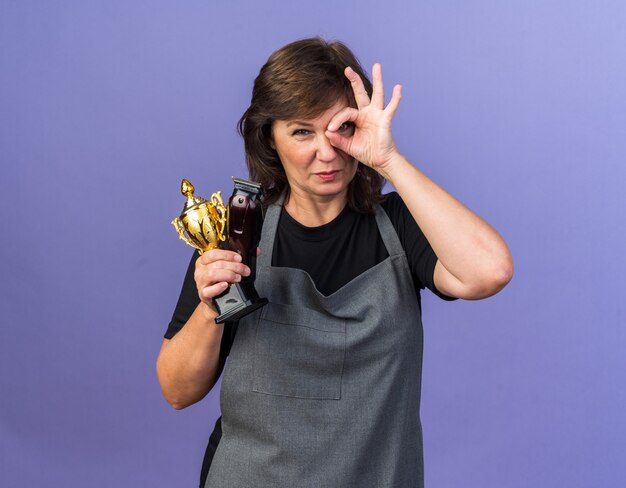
(218, 255)
(339, 141)
(347, 114)
(209, 270)
(378, 93)
(395, 101)
(222, 258)
(209, 275)
(213, 276)
(237, 268)
(210, 292)
(258, 251)
(360, 94)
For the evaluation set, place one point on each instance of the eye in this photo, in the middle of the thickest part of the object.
(346, 128)
(300, 132)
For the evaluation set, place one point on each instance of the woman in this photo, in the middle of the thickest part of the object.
(322, 385)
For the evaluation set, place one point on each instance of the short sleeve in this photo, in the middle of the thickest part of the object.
(420, 255)
(187, 301)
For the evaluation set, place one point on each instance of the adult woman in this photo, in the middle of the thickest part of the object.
(322, 386)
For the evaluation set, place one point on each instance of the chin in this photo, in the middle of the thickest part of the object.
(332, 190)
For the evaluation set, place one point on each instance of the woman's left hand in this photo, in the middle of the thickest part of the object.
(372, 143)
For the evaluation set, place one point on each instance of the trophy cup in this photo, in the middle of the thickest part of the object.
(208, 224)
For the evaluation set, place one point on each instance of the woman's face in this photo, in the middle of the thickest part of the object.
(314, 168)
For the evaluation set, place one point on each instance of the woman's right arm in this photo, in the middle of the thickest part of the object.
(189, 364)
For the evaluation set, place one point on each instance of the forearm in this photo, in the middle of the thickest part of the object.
(467, 247)
(189, 365)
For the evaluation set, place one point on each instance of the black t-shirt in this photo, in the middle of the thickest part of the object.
(332, 254)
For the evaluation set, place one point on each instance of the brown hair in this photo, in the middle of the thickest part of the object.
(302, 79)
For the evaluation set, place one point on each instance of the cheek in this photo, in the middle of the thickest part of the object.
(292, 164)
(353, 165)
(297, 157)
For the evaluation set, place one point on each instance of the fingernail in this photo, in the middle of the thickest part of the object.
(238, 278)
(237, 258)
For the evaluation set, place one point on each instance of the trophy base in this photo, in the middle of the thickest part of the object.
(237, 301)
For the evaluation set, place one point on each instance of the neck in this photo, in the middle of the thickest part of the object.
(314, 211)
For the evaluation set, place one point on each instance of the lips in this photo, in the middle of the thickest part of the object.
(327, 175)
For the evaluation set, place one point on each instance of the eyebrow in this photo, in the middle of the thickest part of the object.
(297, 122)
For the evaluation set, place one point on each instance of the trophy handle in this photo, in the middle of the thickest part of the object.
(220, 215)
(180, 228)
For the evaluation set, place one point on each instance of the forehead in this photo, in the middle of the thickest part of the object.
(322, 118)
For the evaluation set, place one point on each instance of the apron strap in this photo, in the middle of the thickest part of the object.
(268, 233)
(388, 232)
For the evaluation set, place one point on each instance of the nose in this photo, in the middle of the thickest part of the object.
(325, 150)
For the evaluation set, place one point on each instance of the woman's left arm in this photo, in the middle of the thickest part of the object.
(473, 260)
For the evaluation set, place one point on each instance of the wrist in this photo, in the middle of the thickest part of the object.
(208, 311)
(392, 166)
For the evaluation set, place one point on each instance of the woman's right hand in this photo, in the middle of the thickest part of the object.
(216, 270)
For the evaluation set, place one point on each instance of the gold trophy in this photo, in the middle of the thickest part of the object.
(208, 224)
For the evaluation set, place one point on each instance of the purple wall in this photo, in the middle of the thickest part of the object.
(518, 108)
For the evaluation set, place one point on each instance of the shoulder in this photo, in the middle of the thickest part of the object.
(394, 206)
(398, 213)
(392, 202)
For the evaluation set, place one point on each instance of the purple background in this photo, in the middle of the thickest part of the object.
(517, 108)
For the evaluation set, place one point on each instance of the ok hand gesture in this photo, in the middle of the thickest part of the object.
(372, 143)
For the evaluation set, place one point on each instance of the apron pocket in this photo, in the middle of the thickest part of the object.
(299, 353)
